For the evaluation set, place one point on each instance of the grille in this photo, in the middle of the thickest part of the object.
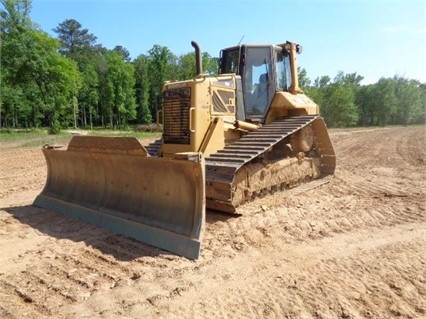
(176, 105)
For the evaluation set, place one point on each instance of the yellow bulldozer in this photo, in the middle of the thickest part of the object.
(227, 139)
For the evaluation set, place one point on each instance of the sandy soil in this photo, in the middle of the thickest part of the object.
(353, 248)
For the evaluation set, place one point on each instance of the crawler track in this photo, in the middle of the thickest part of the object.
(238, 165)
(154, 147)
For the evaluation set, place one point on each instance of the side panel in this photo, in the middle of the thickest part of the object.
(158, 201)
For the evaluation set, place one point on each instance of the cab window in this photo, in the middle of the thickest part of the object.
(230, 61)
(283, 70)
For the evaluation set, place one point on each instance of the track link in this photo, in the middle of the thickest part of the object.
(223, 166)
(154, 148)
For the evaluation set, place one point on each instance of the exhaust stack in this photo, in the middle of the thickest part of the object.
(198, 59)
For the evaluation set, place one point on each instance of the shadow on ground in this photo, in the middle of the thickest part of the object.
(63, 227)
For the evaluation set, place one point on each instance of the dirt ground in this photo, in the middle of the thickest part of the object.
(353, 248)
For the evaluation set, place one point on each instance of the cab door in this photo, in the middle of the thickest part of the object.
(258, 80)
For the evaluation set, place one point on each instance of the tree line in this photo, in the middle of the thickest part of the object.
(345, 102)
(72, 81)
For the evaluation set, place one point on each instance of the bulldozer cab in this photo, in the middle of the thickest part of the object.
(264, 70)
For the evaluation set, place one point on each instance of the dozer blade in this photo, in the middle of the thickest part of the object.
(112, 183)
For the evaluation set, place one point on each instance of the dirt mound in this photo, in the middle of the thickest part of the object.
(352, 248)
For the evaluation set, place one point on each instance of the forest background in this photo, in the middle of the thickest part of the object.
(72, 81)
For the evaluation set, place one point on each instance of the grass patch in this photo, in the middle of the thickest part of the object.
(38, 137)
(10, 134)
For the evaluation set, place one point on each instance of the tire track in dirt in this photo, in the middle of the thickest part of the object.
(351, 248)
(19, 165)
(344, 273)
(312, 216)
(65, 275)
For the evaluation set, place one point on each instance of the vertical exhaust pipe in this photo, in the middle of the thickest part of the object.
(198, 59)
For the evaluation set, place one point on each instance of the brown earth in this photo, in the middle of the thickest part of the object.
(353, 248)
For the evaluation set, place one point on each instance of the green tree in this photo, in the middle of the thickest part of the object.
(34, 72)
(351, 83)
(342, 110)
(15, 16)
(419, 112)
(384, 101)
(408, 97)
(142, 89)
(120, 82)
(210, 64)
(14, 22)
(318, 92)
(123, 52)
(89, 95)
(186, 66)
(304, 81)
(12, 105)
(336, 99)
(396, 100)
(80, 46)
(56, 78)
(76, 42)
(161, 64)
(364, 98)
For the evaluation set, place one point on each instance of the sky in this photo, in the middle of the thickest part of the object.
(373, 38)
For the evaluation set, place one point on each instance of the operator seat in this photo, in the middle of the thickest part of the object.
(261, 95)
